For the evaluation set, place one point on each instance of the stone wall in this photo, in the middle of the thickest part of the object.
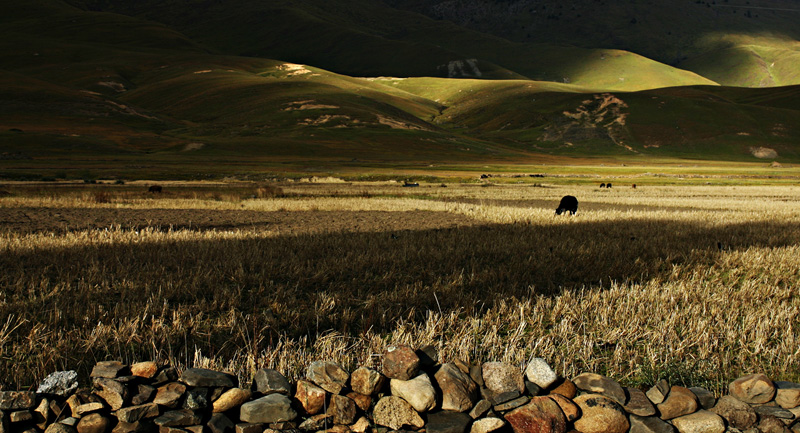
(411, 392)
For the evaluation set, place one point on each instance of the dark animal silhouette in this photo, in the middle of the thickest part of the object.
(634, 186)
(410, 184)
(602, 185)
(568, 204)
(608, 185)
(155, 188)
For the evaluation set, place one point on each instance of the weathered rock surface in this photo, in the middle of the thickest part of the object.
(480, 408)
(701, 421)
(638, 403)
(269, 381)
(600, 414)
(602, 385)
(177, 418)
(459, 392)
(60, 383)
(649, 424)
(539, 372)
(15, 400)
(146, 369)
(93, 423)
(317, 422)
(136, 413)
(787, 395)
(400, 362)
(447, 422)
(499, 377)
(571, 410)
(60, 428)
(394, 412)
(541, 415)
(366, 381)
(658, 392)
(268, 409)
(88, 408)
(753, 388)
(566, 388)
(704, 397)
(486, 425)
(108, 369)
(169, 395)
(328, 375)
(196, 399)
(142, 394)
(418, 392)
(776, 411)
(679, 402)
(202, 377)
(112, 392)
(770, 424)
(219, 423)
(310, 396)
(363, 402)
(737, 413)
(343, 409)
(230, 399)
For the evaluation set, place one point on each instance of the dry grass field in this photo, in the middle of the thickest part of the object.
(696, 284)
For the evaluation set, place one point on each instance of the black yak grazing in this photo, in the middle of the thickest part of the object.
(154, 188)
(568, 203)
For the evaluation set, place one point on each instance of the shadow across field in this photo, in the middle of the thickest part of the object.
(180, 295)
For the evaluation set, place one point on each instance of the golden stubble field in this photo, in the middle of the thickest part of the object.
(695, 284)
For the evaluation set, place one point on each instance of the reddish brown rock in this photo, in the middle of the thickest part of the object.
(566, 388)
(400, 362)
(680, 401)
(363, 402)
(147, 369)
(570, 409)
(366, 381)
(600, 414)
(754, 389)
(541, 415)
(343, 409)
(310, 396)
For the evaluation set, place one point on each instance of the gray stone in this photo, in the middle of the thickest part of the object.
(704, 396)
(400, 362)
(177, 418)
(317, 422)
(459, 392)
(418, 392)
(394, 412)
(638, 403)
(15, 400)
(513, 404)
(658, 393)
(165, 375)
(532, 388)
(770, 424)
(144, 393)
(539, 372)
(268, 409)
(144, 426)
(366, 381)
(60, 383)
(428, 356)
(480, 408)
(738, 414)
(649, 424)
(602, 385)
(486, 425)
(169, 395)
(499, 377)
(135, 413)
(328, 375)
(701, 421)
(269, 381)
(108, 369)
(196, 399)
(448, 422)
(501, 398)
(777, 412)
(201, 377)
(476, 374)
(219, 423)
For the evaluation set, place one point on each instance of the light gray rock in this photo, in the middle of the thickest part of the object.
(539, 372)
(486, 425)
(418, 392)
(60, 383)
(268, 409)
(701, 421)
(328, 375)
(394, 412)
(269, 381)
(480, 408)
(196, 399)
(202, 377)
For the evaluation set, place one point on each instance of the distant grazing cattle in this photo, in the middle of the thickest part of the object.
(568, 204)
(633, 186)
(608, 185)
(602, 185)
(154, 188)
(410, 184)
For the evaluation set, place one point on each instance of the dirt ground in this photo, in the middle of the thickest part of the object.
(60, 220)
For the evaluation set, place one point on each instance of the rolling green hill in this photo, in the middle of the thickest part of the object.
(99, 91)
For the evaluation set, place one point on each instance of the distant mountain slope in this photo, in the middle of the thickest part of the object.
(733, 42)
(369, 38)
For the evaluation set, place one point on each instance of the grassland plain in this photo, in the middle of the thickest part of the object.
(697, 284)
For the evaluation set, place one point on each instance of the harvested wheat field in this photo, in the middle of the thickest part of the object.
(695, 284)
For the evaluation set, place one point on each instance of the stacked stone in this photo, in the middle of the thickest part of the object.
(410, 391)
